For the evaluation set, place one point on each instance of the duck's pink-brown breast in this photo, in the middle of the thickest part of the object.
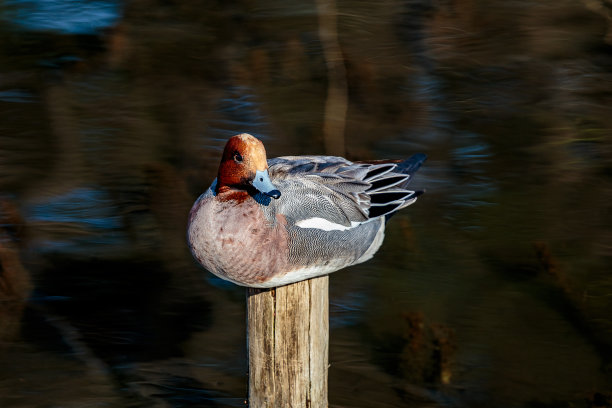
(234, 240)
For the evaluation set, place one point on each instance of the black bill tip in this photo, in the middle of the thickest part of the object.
(274, 194)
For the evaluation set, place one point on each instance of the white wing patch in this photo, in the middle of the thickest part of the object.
(325, 225)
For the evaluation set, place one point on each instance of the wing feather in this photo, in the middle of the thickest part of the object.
(343, 192)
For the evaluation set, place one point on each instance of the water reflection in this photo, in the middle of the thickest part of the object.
(493, 291)
(239, 110)
(16, 95)
(81, 221)
(63, 16)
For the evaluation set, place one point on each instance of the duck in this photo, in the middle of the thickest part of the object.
(265, 223)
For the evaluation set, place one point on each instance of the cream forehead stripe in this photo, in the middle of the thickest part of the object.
(256, 151)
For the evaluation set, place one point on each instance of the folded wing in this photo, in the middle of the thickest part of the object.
(344, 193)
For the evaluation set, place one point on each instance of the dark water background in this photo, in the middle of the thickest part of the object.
(493, 290)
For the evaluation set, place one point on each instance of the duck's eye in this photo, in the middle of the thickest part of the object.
(237, 157)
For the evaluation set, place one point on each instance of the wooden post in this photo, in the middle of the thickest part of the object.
(288, 337)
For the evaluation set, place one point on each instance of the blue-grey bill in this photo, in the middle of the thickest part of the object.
(263, 184)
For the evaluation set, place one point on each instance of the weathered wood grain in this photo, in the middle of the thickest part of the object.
(288, 334)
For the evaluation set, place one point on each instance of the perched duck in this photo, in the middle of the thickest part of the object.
(266, 223)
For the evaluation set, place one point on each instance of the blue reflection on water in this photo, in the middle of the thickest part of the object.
(63, 16)
(17, 96)
(239, 112)
(347, 310)
(82, 219)
(82, 205)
